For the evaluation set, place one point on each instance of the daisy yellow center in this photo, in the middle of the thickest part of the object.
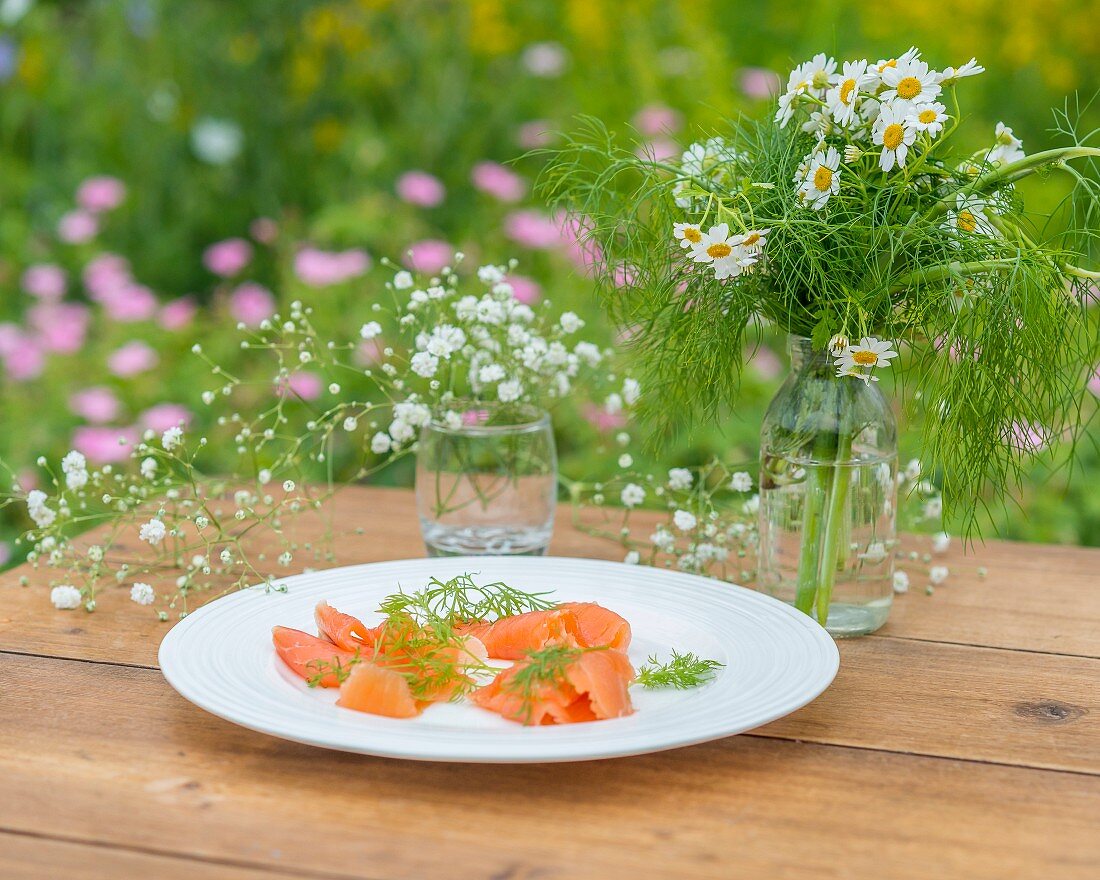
(893, 62)
(865, 358)
(909, 88)
(846, 89)
(719, 249)
(967, 221)
(752, 239)
(823, 178)
(693, 235)
(927, 116)
(893, 136)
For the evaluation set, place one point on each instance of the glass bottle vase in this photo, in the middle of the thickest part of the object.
(828, 496)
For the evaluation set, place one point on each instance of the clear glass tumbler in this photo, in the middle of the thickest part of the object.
(487, 485)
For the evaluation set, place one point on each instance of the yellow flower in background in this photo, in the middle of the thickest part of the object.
(490, 33)
(244, 49)
(32, 66)
(328, 134)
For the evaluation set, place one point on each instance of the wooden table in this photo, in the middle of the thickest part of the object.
(961, 741)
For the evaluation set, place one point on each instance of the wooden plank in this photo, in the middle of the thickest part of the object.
(29, 857)
(1011, 707)
(1031, 606)
(112, 755)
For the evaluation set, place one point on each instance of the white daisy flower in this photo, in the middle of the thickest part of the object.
(812, 77)
(715, 244)
(860, 361)
(895, 135)
(822, 178)
(688, 234)
(819, 123)
(911, 81)
(969, 216)
(1007, 148)
(843, 98)
(753, 241)
(875, 71)
(928, 117)
(950, 75)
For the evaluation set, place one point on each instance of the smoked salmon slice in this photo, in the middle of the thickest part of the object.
(343, 630)
(598, 626)
(512, 638)
(595, 685)
(370, 688)
(309, 656)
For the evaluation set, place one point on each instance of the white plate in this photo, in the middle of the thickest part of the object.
(776, 660)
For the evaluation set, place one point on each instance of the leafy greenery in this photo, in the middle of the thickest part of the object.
(681, 671)
(996, 322)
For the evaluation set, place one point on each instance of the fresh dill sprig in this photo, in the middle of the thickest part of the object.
(335, 666)
(683, 671)
(462, 599)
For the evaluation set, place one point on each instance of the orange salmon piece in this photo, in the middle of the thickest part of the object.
(342, 629)
(371, 688)
(596, 685)
(512, 638)
(598, 626)
(305, 653)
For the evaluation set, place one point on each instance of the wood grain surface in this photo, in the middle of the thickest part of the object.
(962, 740)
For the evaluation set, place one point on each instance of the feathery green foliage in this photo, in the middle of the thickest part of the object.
(993, 315)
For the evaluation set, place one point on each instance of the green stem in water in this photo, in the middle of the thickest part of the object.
(829, 558)
(818, 486)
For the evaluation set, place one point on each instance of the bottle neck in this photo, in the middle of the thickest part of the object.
(804, 356)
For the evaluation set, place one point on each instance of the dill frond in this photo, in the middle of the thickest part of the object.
(682, 671)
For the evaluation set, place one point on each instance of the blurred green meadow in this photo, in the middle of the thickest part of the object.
(169, 169)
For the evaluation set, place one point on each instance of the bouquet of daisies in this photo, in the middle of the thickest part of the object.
(847, 217)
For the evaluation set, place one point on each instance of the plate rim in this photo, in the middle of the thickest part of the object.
(601, 751)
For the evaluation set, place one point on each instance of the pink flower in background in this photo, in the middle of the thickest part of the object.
(536, 133)
(131, 359)
(546, 59)
(624, 334)
(5, 553)
(1029, 436)
(1094, 382)
(77, 227)
(655, 119)
(44, 280)
(61, 327)
(304, 384)
(227, 258)
(319, 268)
(129, 302)
(624, 275)
(368, 352)
(105, 274)
(23, 356)
(251, 303)
(498, 181)
(420, 188)
(97, 404)
(178, 313)
(574, 231)
(429, 256)
(525, 289)
(658, 150)
(10, 335)
(98, 194)
(532, 229)
(101, 445)
(602, 420)
(163, 416)
(264, 230)
(758, 82)
(765, 362)
(475, 416)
